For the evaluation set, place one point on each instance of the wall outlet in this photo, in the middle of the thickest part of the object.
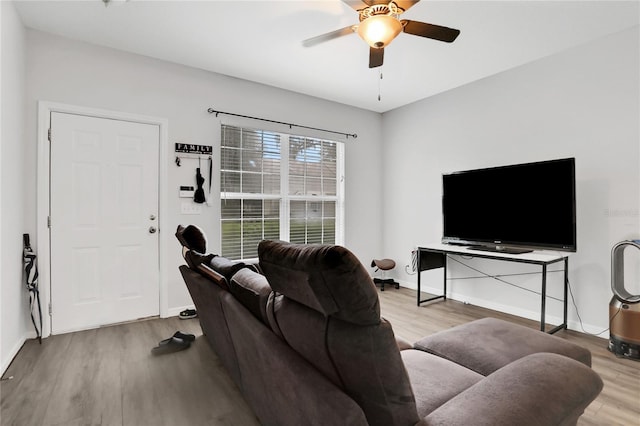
(190, 208)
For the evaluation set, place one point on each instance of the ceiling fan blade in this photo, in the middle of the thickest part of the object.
(435, 32)
(328, 36)
(376, 56)
(356, 4)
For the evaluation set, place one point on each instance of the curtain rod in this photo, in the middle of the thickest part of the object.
(347, 135)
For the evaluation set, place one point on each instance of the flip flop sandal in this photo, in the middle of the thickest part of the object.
(184, 336)
(170, 345)
(188, 313)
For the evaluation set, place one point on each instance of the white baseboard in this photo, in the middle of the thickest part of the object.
(532, 315)
(174, 312)
(594, 330)
(12, 354)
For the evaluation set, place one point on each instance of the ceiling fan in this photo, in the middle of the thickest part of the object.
(380, 23)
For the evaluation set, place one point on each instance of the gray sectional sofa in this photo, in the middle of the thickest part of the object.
(301, 335)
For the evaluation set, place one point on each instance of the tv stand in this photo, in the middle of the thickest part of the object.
(435, 256)
(501, 249)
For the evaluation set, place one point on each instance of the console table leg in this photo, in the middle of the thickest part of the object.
(544, 297)
(566, 285)
(431, 261)
(444, 282)
(418, 269)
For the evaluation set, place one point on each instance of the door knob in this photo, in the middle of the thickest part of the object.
(152, 229)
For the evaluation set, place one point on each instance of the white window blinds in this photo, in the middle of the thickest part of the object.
(263, 197)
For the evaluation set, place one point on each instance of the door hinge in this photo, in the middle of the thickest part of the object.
(50, 310)
(49, 134)
(49, 222)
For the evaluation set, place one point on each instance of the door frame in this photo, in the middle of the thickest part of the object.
(43, 175)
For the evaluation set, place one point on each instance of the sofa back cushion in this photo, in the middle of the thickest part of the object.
(252, 290)
(282, 388)
(328, 279)
(226, 267)
(330, 314)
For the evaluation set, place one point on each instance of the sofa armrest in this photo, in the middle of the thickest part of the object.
(213, 276)
(539, 389)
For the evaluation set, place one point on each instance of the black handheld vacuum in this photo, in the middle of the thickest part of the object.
(624, 308)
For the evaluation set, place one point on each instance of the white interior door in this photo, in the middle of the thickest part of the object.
(104, 216)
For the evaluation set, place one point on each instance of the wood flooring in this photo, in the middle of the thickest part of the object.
(108, 376)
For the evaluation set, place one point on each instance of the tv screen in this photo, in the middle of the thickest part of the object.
(514, 208)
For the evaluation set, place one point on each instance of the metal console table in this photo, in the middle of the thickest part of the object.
(433, 256)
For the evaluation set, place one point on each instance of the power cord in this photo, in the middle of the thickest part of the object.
(414, 263)
(580, 319)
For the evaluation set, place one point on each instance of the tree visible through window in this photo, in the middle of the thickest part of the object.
(278, 186)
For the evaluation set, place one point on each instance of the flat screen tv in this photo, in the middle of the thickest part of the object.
(515, 208)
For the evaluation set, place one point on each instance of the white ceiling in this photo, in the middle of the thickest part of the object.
(261, 41)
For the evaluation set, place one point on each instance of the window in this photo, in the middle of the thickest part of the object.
(278, 186)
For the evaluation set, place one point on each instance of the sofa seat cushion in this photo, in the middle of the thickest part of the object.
(537, 390)
(435, 380)
(489, 344)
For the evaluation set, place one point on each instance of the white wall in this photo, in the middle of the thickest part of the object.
(70, 72)
(582, 103)
(14, 319)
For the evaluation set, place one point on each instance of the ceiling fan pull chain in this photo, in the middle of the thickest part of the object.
(380, 79)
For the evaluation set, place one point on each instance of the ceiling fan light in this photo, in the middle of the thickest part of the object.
(379, 30)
